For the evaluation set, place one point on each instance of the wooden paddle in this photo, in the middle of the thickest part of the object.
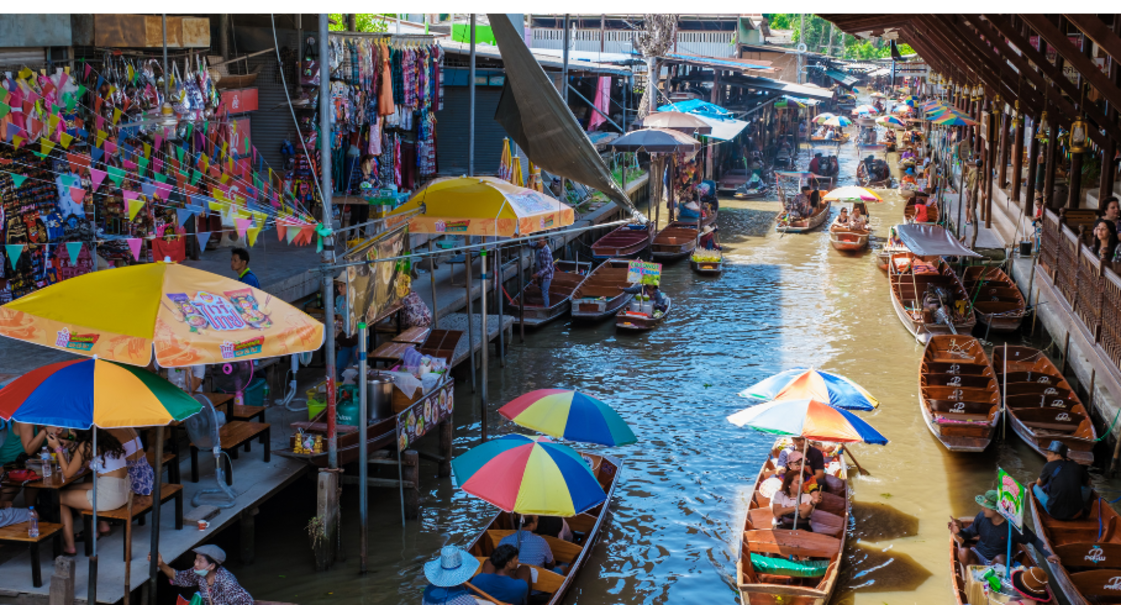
(483, 594)
(853, 458)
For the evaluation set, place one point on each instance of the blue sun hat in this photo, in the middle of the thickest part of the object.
(454, 567)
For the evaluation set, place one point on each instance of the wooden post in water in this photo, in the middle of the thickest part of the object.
(410, 464)
(327, 514)
(521, 291)
(446, 438)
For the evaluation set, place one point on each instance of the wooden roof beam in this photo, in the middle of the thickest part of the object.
(1077, 60)
(971, 59)
(1028, 96)
(1096, 30)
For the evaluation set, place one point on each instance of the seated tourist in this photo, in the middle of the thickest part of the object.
(783, 502)
(532, 548)
(556, 527)
(502, 577)
(447, 577)
(1063, 487)
(857, 220)
(843, 217)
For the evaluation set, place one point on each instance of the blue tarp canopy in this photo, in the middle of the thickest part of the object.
(724, 126)
(696, 106)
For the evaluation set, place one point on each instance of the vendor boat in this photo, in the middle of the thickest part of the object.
(765, 573)
(997, 301)
(707, 214)
(958, 393)
(601, 295)
(890, 247)
(1089, 551)
(843, 138)
(1041, 405)
(732, 180)
(752, 191)
(568, 276)
(707, 262)
(968, 591)
(586, 527)
(675, 242)
(624, 242)
(802, 225)
(946, 310)
(633, 320)
(933, 215)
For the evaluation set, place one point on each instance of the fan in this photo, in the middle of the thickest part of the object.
(202, 428)
(234, 378)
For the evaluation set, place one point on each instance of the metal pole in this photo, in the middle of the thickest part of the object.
(564, 67)
(485, 343)
(93, 557)
(470, 318)
(432, 280)
(471, 121)
(498, 282)
(521, 291)
(363, 465)
(328, 256)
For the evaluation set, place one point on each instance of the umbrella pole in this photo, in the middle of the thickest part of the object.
(153, 567)
(470, 319)
(485, 345)
(521, 291)
(432, 280)
(798, 500)
(93, 557)
(363, 464)
(498, 281)
(128, 552)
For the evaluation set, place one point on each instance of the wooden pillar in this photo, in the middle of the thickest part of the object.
(714, 98)
(978, 109)
(1105, 189)
(410, 474)
(1002, 165)
(446, 428)
(990, 163)
(1074, 197)
(1052, 161)
(327, 513)
(1017, 154)
(1033, 168)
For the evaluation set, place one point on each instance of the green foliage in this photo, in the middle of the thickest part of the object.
(367, 22)
(779, 21)
(817, 38)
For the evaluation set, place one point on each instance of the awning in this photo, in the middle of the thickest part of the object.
(545, 59)
(738, 65)
(724, 129)
(696, 106)
(845, 79)
(798, 90)
(931, 240)
(801, 101)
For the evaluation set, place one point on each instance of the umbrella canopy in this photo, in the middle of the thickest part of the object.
(877, 95)
(483, 205)
(821, 117)
(569, 415)
(81, 393)
(802, 383)
(188, 316)
(932, 105)
(810, 419)
(676, 120)
(891, 122)
(902, 108)
(840, 121)
(851, 193)
(529, 475)
(655, 140)
(865, 109)
(955, 120)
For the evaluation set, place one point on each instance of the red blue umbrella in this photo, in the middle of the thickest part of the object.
(810, 419)
(569, 415)
(802, 383)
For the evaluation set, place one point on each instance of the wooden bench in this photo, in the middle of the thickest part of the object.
(248, 412)
(234, 435)
(18, 533)
(563, 552)
(140, 507)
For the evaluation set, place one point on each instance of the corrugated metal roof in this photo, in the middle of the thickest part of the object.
(545, 60)
(714, 62)
(845, 79)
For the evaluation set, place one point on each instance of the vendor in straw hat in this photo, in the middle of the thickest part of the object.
(447, 577)
(1031, 584)
(708, 239)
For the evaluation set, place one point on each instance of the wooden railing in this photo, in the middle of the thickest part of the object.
(1091, 290)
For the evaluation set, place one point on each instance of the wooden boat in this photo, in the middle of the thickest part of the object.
(933, 215)
(567, 277)
(958, 394)
(909, 288)
(802, 225)
(959, 572)
(586, 528)
(689, 217)
(997, 301)
(624, 242)
(707, 262)
(640, 322)
(844, 138)
(732, 180)
(675, 242)
(744, 193)
(1041, 405)
(892, 246)
(1089, 551)
(760, 540)
(599, 296)
(845, 238)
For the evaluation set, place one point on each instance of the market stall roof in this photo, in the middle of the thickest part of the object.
(736, 64)
(931, 240)
(801, 100)
(843, 78)
(696, 106)
(546, 60)
(724, 129)
(592, 56)
(883, 71)
(799, 90)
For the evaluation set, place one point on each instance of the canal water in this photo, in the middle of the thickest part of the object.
(673, 535)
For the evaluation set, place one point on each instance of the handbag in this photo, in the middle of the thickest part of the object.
(23, 475)
(141, 477)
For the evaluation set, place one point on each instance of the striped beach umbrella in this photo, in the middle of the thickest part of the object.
(570, 415)
(851, 194)
(890, 122)
(529, 475)
(955, 120)
(803, 383)
(840, 121)
(810, 419)
(821, 117)
(865, 110)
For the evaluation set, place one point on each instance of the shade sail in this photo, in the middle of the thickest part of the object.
(484, 205)
(723, 129)
(530, 104)
(676, 120)
(696, 106)
(931, 240)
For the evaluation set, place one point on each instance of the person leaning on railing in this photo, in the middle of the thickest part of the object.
(1104, 243)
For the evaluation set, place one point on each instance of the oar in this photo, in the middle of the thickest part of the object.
(853, 458)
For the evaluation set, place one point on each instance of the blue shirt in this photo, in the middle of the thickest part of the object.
(248, 278)
(503, 588)
(456, 595)
(533, 550)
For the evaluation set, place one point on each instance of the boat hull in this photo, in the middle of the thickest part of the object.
(957, 381)
(640, 323)
(908, 285)
(807, 224)
(707, 268)
(623, 242)
(568, 277)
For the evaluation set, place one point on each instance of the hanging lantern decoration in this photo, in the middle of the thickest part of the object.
(1078, 136)
(1044, 129)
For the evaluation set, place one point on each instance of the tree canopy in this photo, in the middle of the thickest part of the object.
(817, 38)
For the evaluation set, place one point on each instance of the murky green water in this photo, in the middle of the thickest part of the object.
(674, 530)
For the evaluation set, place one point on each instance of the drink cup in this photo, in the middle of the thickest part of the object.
(204, 524)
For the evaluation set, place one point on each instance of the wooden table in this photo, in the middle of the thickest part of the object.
(415, 335)
(52, 485)
(391, 351)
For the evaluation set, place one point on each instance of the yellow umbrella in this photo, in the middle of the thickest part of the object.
(483, 205)
(186, 315)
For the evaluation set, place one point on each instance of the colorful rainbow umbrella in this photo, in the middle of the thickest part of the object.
(808, 418)
(529, 475)
(851, 193)
(902, 108)
(865, 109)
(955, 120)
(569, 415)
(890, 122)
(82, 393)
(841, 121)
(802, 383)
(821, 117)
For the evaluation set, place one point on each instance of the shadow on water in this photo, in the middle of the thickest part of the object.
(876, 522)
(872, 569)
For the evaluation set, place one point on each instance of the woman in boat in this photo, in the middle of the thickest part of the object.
(783, 502)
(209, 576)
(708, 238)
(843, 217)
(991, 534)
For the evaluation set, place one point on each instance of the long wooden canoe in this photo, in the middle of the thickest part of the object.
(586, 527)
(958, 394)
(761, 539)
(846, 239)
(624, 242)
(1041, 405)
(997, 301)
(675, 242)
(958, 571)
(641, 322)
(567, 277)
(600, 294)
(932, 212)
(801, 225)
(910, 278)
(1089, 551)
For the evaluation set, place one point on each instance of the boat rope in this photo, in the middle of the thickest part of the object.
(1110, 431)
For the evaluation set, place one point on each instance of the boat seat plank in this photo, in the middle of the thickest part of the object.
(1095, 555)
(791, 542)
(563, 552)
(961, 394)
(1097, 584)
(960, 408)
(1035, 401)
(958, 380)
(581, 523)
(761, 518)
(957, 367)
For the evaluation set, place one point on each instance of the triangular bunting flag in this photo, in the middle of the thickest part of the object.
(203, 237)
(99, 122)
(183, 215)
(17, 141)
(163, 190)
(147, 150)
(292, 233)
(281, 231)
(73, 249)
(161, 177)
(110, 147)
(77, 194)
(242, 225)
(96, 177)
(18, 179)
(141, 166)
(157, 165)
(179, 151)
(149, 189)
(251, 235)
(116, 175)
(4, 109)
(97, 153)
(14, 252)
(101, 135)
(134, 244)
(116, 115)
(65, 139)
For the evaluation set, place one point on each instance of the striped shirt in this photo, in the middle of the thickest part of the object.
(534, 550)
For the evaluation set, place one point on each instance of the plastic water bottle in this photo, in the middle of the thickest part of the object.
(33, 524)
(265, 397)
(48, 469)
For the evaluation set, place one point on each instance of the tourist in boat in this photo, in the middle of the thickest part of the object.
(783, 502)
(532, 548)
(545, 270)
(857, 220)
(503, 578)
(799, 206)
(217, 585)
(843, 217)
(815, 164)
(447, 575)
(556, 527)
(708, 238)
(921, 215)
(1063, 487)
(992, 535)
(1032, 583)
